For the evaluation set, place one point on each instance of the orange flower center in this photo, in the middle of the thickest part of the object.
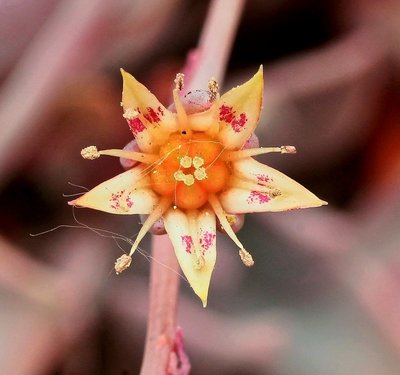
(190, 169)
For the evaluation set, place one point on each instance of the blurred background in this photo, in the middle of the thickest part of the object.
(324, 295)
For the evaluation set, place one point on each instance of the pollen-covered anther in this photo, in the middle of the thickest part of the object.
(200, 174)
(231, 219)
(198, 162)
(288, 150)
(246, 258)
(213, 88)
(179, 81)
(90, 153)
(130, 114)
(122, 263)
(186, 161)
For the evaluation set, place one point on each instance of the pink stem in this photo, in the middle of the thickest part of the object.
(164, 285)
(214, 48)
(211, 56)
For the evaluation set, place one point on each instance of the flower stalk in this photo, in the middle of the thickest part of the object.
(164, 283)
(161, 327)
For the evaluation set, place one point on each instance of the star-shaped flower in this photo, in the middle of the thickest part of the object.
(192, 169)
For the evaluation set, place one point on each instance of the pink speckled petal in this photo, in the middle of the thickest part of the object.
(194, 239)
(149, 121)
(124, 194)
(259, 188)
(238, 112)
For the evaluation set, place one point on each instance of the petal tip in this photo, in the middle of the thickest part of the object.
(316, 203)
(124, 73)
(202, 293)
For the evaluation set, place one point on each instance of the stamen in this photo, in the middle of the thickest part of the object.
(213, 89)
(231, 219)
(179, 81)
(246, 258)
(238, 182)
(219, 211)
(131, 155)
(122, 263)
(236, 155)
(90, 153)
(200, 174)
(198, 162)
(186, 161)
(180, 111)
(158, 211)
(288, 149)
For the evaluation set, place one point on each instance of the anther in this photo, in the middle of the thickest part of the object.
(231, 219)
(186, 161)
(179, 81)
(288, 150)
(130, 114)
(90, 153)
(246, 258)
(122, 263)
(200, 174)
(198, 162)
(213, 89)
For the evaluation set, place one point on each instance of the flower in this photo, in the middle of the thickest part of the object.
(192, 169)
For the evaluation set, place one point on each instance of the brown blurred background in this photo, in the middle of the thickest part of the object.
(324, 296)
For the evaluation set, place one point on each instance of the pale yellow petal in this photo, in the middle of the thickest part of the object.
(193, 236)
(238, 112)
(259, 188)
(148, 119)
(124, 194)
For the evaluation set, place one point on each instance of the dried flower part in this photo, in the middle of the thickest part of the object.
(193, 168)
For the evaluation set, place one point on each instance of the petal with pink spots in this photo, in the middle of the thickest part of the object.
(149, 121)
(193, 236)
(125, 194)
(259, 188)
(238, 112)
